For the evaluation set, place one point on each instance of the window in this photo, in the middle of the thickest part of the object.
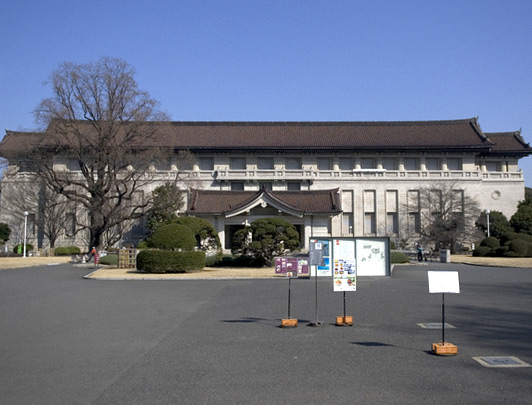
(345, 163)
(493, 166)
(414, 220)
(432, 164)
(392, 221)
(454, 164)
(411, 164)
(370, 222)
(265, 163)
(73, 165)
(238, 163)
(206, 163)
(293, 185)
(389, 163)
(70, 223)
(347, 223)
(293, 163)
(324, 164)
(31, 225)
(237, 186)
(367, 163)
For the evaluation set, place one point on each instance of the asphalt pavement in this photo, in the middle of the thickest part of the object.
(67, 340)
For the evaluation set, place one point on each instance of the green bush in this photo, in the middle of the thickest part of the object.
(109, 260)
(501, 250)
(509, 236)
(511, 254)
(490, 242)
(398, 257)
(66, 251)
(518, 246)
(20, 248)
(172, 237)
(142, 245)
(481, 251)
(160, 261)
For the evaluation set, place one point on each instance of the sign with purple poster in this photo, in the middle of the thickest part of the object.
(292, 266)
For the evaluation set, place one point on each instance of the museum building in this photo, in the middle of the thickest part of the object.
(326, 178)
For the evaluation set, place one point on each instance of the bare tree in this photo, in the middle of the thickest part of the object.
(98, 150)
(446, 215)
(46, 208)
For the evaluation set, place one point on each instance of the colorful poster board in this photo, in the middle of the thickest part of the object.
(344, 266)
(292, 266)
(323, 269)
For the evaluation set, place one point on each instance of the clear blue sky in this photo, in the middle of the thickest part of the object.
(282, 60)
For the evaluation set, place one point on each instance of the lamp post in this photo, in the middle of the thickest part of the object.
(26, 213)
(488, 221)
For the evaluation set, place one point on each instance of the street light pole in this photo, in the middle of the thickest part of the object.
(488, 221)
(26, 213)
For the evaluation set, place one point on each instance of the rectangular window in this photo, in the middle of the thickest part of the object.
(237, 186)
(493, 166)
(454, 164)
(345, 163)
(324, 164)
(347, 223)
(370, 224)
(293, 185)
(31, 225)
(206, 163)
(432, 164)
(389, 163)
(411, 164)
(70, 223)
(392, 221)
(367, 163)
(265, 163)
(238, 163)
(414, 219)
(293, 163)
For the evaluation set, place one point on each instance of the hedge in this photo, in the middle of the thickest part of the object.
(398, 257)
(109, 259)
(172, 237)
(481, 251)
(160, 261)
(490, 242)
(66, 251)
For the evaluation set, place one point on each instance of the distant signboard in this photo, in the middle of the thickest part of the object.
(292, 266)
(444, 282)
(344, 266)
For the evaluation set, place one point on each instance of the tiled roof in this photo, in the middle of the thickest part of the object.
(16, 141)
(461, 135)
(323, 135)
(225, 201)
(508, 142)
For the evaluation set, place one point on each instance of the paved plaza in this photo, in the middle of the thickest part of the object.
(68, 340)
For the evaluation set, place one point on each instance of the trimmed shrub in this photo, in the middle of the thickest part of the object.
(172, 237)
(509, 236)
(66, 251)
(109, 260)
(160, 261)
(481, 251)
(398, 257)
(511, 254)
(501, 250)
(142, 245)
(490, 242)
(518, 246)
(20, 248)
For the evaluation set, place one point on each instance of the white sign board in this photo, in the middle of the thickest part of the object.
(444, 282)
